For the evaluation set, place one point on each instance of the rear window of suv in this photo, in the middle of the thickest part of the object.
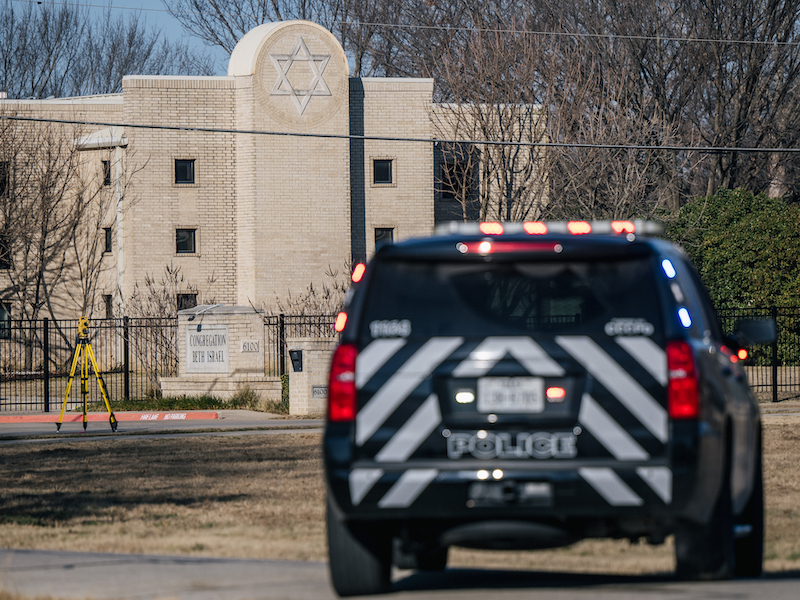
(475, 299)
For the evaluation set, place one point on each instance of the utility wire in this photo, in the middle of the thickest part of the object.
(565, 34)
(501, 143)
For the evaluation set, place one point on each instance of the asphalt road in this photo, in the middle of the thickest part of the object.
(76, 575)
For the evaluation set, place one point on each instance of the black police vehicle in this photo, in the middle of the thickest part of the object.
(527, 385)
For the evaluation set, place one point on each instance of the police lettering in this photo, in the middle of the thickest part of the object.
(539, 445)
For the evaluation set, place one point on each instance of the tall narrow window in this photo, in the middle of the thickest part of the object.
(383, 235)
(107, 243)
(5, 177)
(185, 242)
(108, 303)
(5, 321)
(186, 301)
(382, 171)
(184, 171)
(106, 172)
(5, 253)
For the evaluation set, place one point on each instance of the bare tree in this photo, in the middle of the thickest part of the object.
(42, 207)
(358, 24)
(60, 50)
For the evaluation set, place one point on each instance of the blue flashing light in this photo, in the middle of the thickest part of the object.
(669, 269)
(685, 317)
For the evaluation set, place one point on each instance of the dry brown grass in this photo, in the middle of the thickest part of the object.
(263, 497)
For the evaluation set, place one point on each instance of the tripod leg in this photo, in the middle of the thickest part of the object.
(84, 381)
(69, 386)
(112, 420)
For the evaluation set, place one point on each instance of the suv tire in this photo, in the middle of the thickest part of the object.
(706, 552)
(750, 548)
(360, 557)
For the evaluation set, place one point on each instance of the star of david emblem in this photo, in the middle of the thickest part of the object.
(317, 64)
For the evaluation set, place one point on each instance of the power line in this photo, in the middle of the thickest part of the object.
(459, 29)
(379, 138)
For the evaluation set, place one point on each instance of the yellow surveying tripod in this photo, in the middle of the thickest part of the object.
(83, 350)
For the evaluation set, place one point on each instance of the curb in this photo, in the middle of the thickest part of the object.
(120, 416)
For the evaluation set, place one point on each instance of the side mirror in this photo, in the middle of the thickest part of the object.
(751, 332)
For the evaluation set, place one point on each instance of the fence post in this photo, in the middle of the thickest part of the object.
(46, 365)
(282, 342)
(774, 314)
(126, 365)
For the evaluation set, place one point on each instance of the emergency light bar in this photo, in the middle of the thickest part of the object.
(533, 228)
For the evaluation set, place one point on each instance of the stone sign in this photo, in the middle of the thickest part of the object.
(207, 349)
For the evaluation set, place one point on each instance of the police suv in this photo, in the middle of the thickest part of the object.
(527, 385)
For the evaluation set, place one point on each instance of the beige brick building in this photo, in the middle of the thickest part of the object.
(257, 183)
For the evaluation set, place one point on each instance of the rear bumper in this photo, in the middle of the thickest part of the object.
(439, 489)
(589, 497)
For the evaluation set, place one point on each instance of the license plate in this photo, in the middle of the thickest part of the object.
(510, 395)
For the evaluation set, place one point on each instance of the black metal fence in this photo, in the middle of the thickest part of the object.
(771, 368)
(36, 358)
(277, 328)
(133, 354)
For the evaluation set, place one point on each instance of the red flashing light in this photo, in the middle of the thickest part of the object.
(623, 227)
(489, 228)
(682, 392)
(534, 227)
(500, 246)
(358, 272)
(342, 385)
(742, 354)
(579, 227)
(556, 393)
(341, 321)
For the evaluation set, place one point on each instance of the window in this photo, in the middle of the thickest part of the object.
(108, 303)
(187, 301)
(456, 181)
(185, 241)
(184, 171)
(383, 235)
(106, 172)
(107, 246)
(5, 321)
(382, 171)
(5, 253)
(5, 177)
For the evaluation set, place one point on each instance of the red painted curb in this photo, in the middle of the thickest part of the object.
(120, 416)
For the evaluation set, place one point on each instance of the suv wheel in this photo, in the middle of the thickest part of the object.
(359, 557)
(706, 552)
(750, 547)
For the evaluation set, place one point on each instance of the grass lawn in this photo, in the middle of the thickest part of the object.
(263, 497)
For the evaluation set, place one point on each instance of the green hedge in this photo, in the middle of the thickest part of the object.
(745, 246)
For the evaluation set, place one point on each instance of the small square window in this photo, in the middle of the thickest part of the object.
(383, 235)
(185, 241)
(5, 321)
(186, 301)
(382, 171)
(107, 243)
(184, 171)
(106, 172)
(108, 303)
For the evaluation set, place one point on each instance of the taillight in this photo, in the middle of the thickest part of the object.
(682, 390)
(342, 384)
